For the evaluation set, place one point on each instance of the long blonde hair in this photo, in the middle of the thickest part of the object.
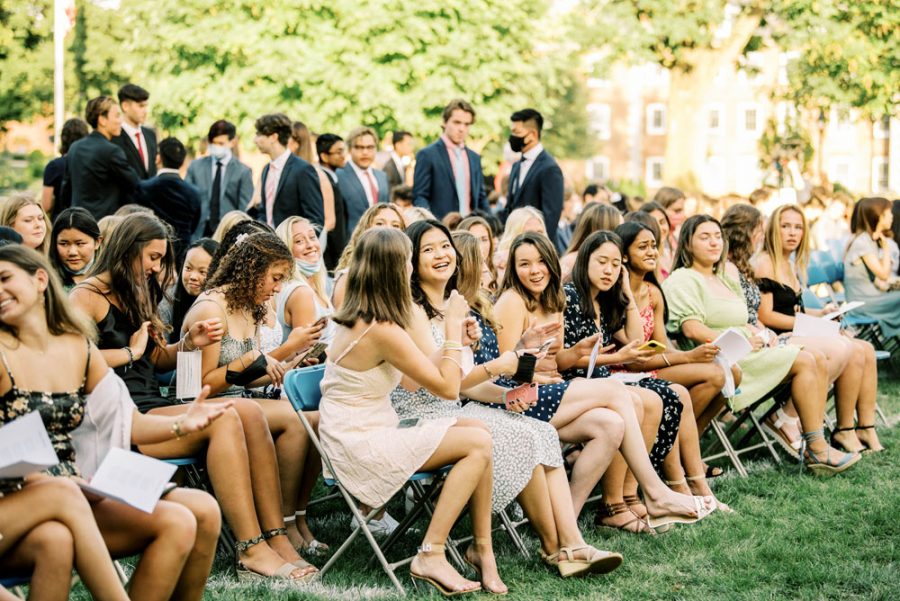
(466, 225)
(228, 221)
(285, 231)
(515, 225)
(469, 263)
(365, 223)
(773, 244)
(15, 203)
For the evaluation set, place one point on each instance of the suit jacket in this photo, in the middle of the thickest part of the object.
(298, 193)
(434, 185)
(542, 189)
(395, 177)
(176, 202)
(355, 197)
(337, 238)
(124, 141)
(98, 176)
(235, 191)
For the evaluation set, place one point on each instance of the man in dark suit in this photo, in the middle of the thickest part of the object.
(448, 175)
(98, 176)
(536, 179)
(398, 162)
(361, 184)
(172, 199)
(225, 183)
(330, 148)
(138, 142)
(290, 185)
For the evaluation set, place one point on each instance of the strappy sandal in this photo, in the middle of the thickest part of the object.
(835, 443)
(598, 562)
(313, 548)
(551, 560)
(633, 502)
(714, 471)
(791, 447)
(300, 563)
(636, 525)
(818, 466)
(438, 586)
(718, 505)
(484, 586)
(668, 520)
(245, 574)
(869, 449)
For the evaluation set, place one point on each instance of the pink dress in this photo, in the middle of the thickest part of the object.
(373, 458)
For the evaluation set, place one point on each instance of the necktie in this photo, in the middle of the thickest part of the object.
(137, 137)
(373, 187)
(459, 177)
(514, 179)
(270, 192)
(214, 198)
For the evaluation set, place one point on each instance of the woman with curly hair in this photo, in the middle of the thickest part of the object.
(122, 296)
(238, 291)
(380, 215)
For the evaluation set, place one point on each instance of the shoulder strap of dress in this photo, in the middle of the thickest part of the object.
(94, 288)
(353, 344)
(12, 380)
(87, 365)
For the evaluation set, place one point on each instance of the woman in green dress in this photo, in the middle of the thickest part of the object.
(704, 300)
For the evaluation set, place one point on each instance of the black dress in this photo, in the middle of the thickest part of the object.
(578, 327)
(785, 299)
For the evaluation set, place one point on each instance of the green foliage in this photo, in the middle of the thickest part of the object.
(26, 58)
(787, 143)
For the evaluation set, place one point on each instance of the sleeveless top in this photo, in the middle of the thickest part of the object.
(282, 299)
(115, 331)
(231, 348)
(785, 299)
(61, 413)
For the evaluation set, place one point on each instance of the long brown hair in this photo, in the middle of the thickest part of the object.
(773, 244)
(469, 263)
(738, 224)
(377, 283)
(552, 299)
(62, 316)
(138, 295)
(467, 224)
(365, 224)
(596, 216)
(242, 269)
(684, 257)
(866, 214)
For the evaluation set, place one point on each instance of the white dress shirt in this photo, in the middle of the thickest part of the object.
(364, 181)
(528, 160)
(137, 141)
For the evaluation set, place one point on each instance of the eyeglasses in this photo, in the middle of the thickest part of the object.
(364, 148)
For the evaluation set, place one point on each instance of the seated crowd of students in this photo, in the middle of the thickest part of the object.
(427, 326)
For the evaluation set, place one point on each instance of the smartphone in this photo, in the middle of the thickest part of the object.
(653, 345)
(525, 392)
(321, 321)
(410, 422)
(315, 352)
(543, 348)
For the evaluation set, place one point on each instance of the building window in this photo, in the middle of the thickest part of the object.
(597, 169)
(714, 114)
(656, 119)
(880, 174)
(600, 119)
(881, 129)
(654, 172)
(749, 120)
(841, 121)
(840, 171)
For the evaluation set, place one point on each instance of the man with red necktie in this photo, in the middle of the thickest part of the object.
(138, 142)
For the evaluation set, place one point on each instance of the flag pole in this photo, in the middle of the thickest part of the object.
(59, 33)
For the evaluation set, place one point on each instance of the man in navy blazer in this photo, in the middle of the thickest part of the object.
(536, 179)
(361, 184)
(290, 185)
(448, 175)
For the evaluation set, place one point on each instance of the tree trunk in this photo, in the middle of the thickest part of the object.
(689, 90)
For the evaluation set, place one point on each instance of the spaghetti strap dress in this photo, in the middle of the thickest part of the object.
(358, 428)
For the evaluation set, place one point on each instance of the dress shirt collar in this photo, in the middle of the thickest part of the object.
(530, 155)
(130, 130)
(359, 170)
(279, 161)
(165, 170)
(450, 143)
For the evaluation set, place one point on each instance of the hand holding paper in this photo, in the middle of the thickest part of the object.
(845, 308)
(732, 346)
(25, 447)
(131, 478)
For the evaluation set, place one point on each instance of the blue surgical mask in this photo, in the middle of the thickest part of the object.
(219, 152)
(307, 268)
(84, 269)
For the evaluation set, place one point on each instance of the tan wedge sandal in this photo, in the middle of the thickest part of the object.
(597, 562)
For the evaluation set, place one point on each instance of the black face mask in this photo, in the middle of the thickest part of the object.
(516, 143)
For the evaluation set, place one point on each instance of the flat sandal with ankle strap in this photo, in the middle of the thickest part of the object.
(791, 447)
(484, 586)
(636, 525)
(868, 449)
(438, 586)
(717, 504)
(835, 443)
(313, 548)
(597, 562)
(245, 574)
(300, 563)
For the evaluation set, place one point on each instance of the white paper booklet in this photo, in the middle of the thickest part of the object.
(25, 447)
(808, 325)
(594, 352)
(629, 377)
(188, 375)
(845, 308)
(131, 478)
(733, 346)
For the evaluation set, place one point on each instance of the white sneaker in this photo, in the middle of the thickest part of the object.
(383, 527)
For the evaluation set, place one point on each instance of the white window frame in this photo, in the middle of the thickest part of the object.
(649, 179)
(600, 113)
(590, 171)
(840, 126)
(879, 163)
(833, 164)
(717, 108)
(743, 108)
(653, 130)
(879, 132)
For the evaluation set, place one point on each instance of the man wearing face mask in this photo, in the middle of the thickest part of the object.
(225, 183)
(536, 179)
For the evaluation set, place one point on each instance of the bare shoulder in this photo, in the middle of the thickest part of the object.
(510, 300)
(732, 271)
(762, 266)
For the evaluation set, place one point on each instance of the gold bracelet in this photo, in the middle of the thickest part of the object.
(176, 428)
(666, 359)
(487, 370)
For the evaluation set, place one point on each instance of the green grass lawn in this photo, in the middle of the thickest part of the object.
(793, 537)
